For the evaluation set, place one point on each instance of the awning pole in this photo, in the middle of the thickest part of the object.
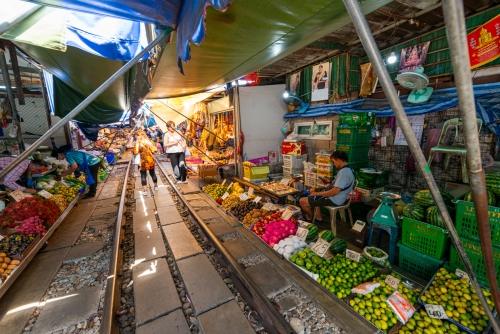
(457, 38)
(84, 103)
(370, 46)
(16, 120)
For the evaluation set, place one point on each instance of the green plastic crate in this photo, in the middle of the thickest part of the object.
(425, 238)
(417, 263)
(354, 152)
(361, 164)
(466, 223)
(354, 135)
(473, 251)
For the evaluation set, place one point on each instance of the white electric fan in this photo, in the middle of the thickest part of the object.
(417, 81)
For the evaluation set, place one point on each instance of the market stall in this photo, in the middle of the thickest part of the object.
(26, 222)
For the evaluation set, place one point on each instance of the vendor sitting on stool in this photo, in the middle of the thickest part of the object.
(337, 191)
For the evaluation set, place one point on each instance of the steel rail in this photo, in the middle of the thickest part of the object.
(107, 323)
(457, 37)
(272, 320)
(83, 104)
(373, 53)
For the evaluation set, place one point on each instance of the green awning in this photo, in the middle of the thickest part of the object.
(248, 36)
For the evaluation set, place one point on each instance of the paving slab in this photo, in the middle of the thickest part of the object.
(193, 197)
(199, 204)
(221, 228)
(268, 278)
(83, 250)
(149, 245)
(163, 199)
(138, 193)
(72, 308)
(109, 190)
(144, 221)
(144, 204)
(169, 215)
(173, 323)
(287, 303)
(168, 166)
(187, 188)
(23, 296)
(240, 248)
(105, 210)
(227, 318)
(181, 241)
(155, 293)
(71, 227)
(101, 223)
(138, 183)
(109, 202)
(204, 285)
(209, 214)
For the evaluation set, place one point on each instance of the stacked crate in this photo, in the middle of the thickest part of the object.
(293, 164)
(466, 225)
(324, 168)
(355, 141)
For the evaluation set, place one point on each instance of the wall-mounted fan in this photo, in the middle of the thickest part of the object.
(295, 104)
(417, 81)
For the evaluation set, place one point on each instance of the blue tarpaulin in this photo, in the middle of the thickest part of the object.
(187, 17)
(486, 95)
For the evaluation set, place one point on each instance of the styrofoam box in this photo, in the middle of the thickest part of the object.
(294, 159)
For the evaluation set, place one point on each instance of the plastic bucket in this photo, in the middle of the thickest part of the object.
(110, 158)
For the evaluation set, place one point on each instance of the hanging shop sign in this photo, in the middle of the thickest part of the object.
(417, 125)
(413, 57)
(484, 43)
(320, 82)
(369, 79)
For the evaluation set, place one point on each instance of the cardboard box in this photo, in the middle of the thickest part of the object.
(367, 194)
(294, 148)
(272, 156)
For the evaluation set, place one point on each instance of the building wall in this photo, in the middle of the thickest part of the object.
(262, 110)
(393, 158)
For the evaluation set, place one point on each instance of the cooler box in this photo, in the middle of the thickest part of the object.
(255, 172)
(294, 148)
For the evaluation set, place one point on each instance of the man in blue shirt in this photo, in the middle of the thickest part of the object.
(336, 193)
(87, 162)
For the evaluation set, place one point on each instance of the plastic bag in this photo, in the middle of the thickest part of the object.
(365, 288)
(401, 307)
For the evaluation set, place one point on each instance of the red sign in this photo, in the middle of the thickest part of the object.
(484, 43)
(293, 148)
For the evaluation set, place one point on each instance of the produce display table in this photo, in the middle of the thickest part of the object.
(33, 250)
(279, 197)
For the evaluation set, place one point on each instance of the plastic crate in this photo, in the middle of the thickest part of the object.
(329, 167)
(417, 263)
(294, 160)
(372, 180)
(424, 238)
(255, 172)
(310, 179)
(466, 223)
(323, 158)
(325, 172)
(475, 255)
(354, 135)
(355, 152)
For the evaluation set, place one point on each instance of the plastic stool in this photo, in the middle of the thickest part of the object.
(393, 234)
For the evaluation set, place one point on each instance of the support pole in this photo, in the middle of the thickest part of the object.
(83, 104)
(16, 120)
(370, 46)
(457, 38)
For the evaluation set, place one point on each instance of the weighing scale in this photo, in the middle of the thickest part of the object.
(386, 213)
(386, 218)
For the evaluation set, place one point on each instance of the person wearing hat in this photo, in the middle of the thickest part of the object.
(76, 159)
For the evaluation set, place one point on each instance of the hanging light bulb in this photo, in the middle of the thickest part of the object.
(392, 58)
(285, 94)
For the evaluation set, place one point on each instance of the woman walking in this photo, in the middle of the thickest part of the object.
(174, 147)
(146, 149)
